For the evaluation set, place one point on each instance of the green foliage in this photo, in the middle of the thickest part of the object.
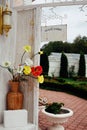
(75, 87)
(71, 72)
(61, 80)
(82, 66)
(54, 107)
(53, 47)
(63, 66)
(78, 45)
(44, 63)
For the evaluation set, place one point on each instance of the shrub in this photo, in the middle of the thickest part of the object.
(82, 66)
(68, 87)
(54, 107)
(61, 80)
(44, 63)
(63, 66)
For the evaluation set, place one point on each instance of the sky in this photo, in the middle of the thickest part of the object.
(75, 19)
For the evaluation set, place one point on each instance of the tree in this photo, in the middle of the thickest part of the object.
(55, 46)
(82, 65)
(44, 62)
(77, 39)
(78, 45)
(63, 66)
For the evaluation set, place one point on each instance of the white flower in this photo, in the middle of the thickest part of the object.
(28, 62)
(7, 64)
(20, 69)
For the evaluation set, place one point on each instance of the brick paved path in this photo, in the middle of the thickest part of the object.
(78, 121)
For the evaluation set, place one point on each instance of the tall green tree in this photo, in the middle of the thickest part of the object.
(82, 65)
(63, 66)
(44, 62)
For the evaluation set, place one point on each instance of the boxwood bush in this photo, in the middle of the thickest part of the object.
(76, 88)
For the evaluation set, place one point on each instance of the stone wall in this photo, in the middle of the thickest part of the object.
(54, 63)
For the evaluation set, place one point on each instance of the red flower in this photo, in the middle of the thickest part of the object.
(36, 71)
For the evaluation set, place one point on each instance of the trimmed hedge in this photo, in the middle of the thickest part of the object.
(77, 90)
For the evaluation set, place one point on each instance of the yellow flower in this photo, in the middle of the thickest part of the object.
(27, 48)
(27, 70)
(41, 79)
(40, 52)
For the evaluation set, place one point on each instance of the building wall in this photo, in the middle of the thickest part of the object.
(25, 31)
(54, 63)
(7, 53)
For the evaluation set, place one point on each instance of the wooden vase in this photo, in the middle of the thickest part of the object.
(14, 97)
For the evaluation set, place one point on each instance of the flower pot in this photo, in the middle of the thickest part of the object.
(14, 97)
(58, 119)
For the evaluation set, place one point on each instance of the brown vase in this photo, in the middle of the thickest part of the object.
(14, 97)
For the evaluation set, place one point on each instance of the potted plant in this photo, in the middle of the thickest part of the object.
(21, 73)
(57, 114)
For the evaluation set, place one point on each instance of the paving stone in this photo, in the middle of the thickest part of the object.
(79, 106)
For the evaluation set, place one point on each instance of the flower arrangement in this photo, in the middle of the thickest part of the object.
(25, 69)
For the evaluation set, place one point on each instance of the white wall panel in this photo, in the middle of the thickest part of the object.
(54, 63)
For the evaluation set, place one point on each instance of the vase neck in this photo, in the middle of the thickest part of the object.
(14, 86)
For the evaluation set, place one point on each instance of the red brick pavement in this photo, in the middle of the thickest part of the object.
(79, 106)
